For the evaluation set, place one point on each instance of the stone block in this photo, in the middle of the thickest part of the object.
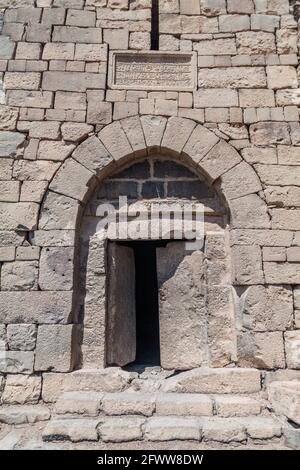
(116, 38)
(74, 132)
(247, 267)
(177, 133)
(233, 23)
(281, 273)
(252, 42)
(231, 406)
(56, 268)
(21, 337)
(261, 350)
(28, 253)
(21, 389)
(200, 143)
(267, 308)
(172, 428)
(292, 349)
(233, 77)
(24, 414)
(54, 150)
(240, 6)
(122, 110)
(58, 212)
(214, 380)
(282, 77)
(11, 143)
(33, 191)
(9, 191)
(45, 130)
(54, 348)
(7, 47)
(110, 379)
(121, 429)
(128, 403)
(269, 133)
(30, 99)
(215, 98)
(71, 429)
(7, 253)
(134, 132)
(28, 51)
(81, 18)
(222, 430)
(77, 35)
(256, 98)
(73, 81)
(19, 275)
(70, 100)
(79, 403)
(140, 41)
(180, 404)
(216, 47)
(16, 362)
(22, 80)
(38, 33)
(262, 427)
(249, 212)
(248, 179)
(285, 399)
(18, 216)
(72, 180)
(115, 141)
(58, 51)
(213, 7)
(35, 307)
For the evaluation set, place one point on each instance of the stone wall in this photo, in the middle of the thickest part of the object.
(63, 130)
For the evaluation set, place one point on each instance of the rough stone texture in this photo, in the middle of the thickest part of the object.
(164, 429)
(285, 399)
(24, 414)
(128, 403)
(21, 389)
(79, 403)
(53, 348)
(68, 429)
(183, 404)
(215, 381)
(64, 129)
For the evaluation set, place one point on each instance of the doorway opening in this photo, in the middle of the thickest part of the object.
(146, 301)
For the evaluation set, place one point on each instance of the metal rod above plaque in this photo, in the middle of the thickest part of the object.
(153, 70)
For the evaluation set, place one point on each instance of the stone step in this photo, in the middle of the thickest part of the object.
(161, 428)
(88, 404)
(24, 414)
(201, 380)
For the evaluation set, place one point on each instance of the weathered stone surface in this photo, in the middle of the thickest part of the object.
(54, 150)
(263, 427)
(282, 77)
(71, 429)
(179, 274)
(285, 399)
(21, 389)
(58, 212)
(220, 159)
(35, 307)
(92, 154)
(247, 268)
(19, 275)
(177, 133)
(16, 362)
(200, 143)
(248, 181)
(292, 349)
(54, 348)
(11, 144)
(79, 403)
(72, 180)
(206, 380)
(269, 133)
(267, 308)
(99, 380)
(24, 414)
(121, 429)
(115, 141)
(261, 350)
(56, 266)
(233, 77)
(216, 98)
(231, 406)
(172, 428)
(21, 337)
(153, 128)
(249, 212)
(128, 403)
(183, 404)
(222, 430)
(72, 81)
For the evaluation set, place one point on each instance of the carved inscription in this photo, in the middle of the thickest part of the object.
(146, 71)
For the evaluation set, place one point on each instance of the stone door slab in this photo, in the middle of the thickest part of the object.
(121, 314)
(182, 309)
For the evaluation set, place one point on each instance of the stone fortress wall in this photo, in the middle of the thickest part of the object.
(63, 130)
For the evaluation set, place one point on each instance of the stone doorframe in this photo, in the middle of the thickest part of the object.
(125, 141)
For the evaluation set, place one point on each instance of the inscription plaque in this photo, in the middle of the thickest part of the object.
(153, 70)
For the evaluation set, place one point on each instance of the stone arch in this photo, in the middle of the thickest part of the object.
(133, 137)
(126, 141)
